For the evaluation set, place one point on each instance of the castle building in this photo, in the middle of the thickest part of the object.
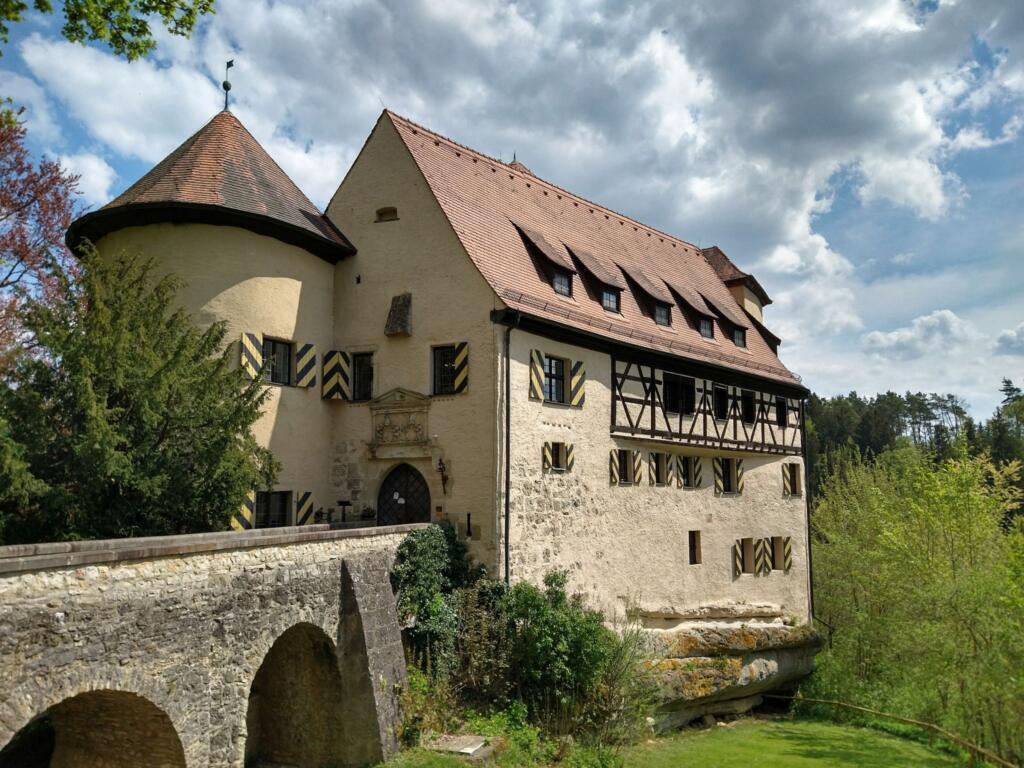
(457, 339)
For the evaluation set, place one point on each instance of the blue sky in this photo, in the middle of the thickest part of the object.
(864, 159)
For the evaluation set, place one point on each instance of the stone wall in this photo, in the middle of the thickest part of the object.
(188, 633)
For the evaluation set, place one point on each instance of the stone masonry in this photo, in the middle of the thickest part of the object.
(168, 635)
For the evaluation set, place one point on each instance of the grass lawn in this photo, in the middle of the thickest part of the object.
(765, 744)
(785, 743)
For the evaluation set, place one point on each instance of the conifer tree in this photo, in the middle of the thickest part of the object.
(123, 418)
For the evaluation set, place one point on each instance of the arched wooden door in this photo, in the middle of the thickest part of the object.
(403, 498)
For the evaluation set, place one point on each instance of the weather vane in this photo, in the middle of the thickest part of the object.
(227, 85)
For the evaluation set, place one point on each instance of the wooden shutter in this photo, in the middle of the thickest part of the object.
(461, 372)
(546, 457)
(652, 467)
(613, 467)
(737, 558)
(762, 556)
(536, 375)
(787, 489)
(252, 355)
(337, 376)
(305, 366)
(787, 552)
(698, 476)
(638, 468)
(304, 509)
(577, 382)
(244, 519)
(570, 458)
(670, 469)
(739, 475)
(719, 483)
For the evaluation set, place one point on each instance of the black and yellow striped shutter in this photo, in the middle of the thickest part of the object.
(577, 384)
(737, 558)
(545, 458)
(652, 471)
(638, 468)
(787, 552)
(787, 490)
(252, 355)
(670, 469)
(244, 519)
(698, 471)
(739, 476)
(536, 374)
(337, 374)
(762, 559)
(570, 457)
(719, 482)
(613, 467)
(304, 509)
(305, 366)
(461, 372)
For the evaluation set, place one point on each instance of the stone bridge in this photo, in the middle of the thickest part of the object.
(277, 647)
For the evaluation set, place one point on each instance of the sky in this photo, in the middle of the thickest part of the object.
(864, 159)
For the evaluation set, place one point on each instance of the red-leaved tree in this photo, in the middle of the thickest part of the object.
(37, 203)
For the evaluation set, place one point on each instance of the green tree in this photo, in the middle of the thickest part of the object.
(131, 420)
(122, 24)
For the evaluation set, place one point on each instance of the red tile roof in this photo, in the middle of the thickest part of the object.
(222, 166)
(482, 196)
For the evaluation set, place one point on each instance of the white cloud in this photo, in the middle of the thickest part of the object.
(95, 176)
(939, 333)
(1011, 342)
(38, 116)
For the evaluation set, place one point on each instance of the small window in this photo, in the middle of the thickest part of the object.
(686, 468)
(680, 395)
(554, 379)
(662, 313)
(777, 556)
(747, 406)
(562, 282)
(728, 475)
(625, 459)
(389, 213)
(444, 370)
(694, 547)
(781, 412)
(610, 299)
(793, 471)
(558, 457)
(706, 327)
(272, 508)
(739, 337)
(278, 361)
(660, 468)
(362, 376)
(747, 551)
(721, 398)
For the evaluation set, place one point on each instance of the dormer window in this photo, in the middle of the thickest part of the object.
(610, 299)
(739, 337)
(706, 327)
(561, 282)
(390, 213)
(662, 313)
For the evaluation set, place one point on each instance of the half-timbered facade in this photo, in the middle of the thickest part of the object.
(456, 338)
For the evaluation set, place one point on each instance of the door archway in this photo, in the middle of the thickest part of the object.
(403, 497)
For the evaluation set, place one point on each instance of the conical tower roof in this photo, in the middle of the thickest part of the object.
(219, 175)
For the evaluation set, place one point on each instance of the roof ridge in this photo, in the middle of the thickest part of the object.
(531, 177)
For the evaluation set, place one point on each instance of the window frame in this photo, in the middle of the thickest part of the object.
(561, 380)
(660, 468)
(624, 458)
(267, 497)
(795, 480)
(686, 473)
(616, 296)
(558, 457)
(710, 324)
(729, 479)
(358, 383)
(436, 370)
(693, 542)
(687, 393)
(776, 554)
(747, 555)
(748, 395)
(661, 305)
(781, 414)
(739, 335)
(557, 273)
(268, 371)
(715, 390)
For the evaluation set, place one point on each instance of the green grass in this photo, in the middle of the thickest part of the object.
(785, 744)
(765, 744)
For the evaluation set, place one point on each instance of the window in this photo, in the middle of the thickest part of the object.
(747, 550)
(776, 554)
(387, 214)
(554, 379)
(444, 370)
(558, 460)
(662, 313)
(747, 406)
(706, 327)
(660, 468)
(679, 394)
(625, 459)
(362, 376)
(694, 547)
(562, 282)
(739, 337)
(793, 474)
(721, 397)
(272, 508)
(686, 468)
(781, 412)
(610, 299)
(277, 359)
(728, 475)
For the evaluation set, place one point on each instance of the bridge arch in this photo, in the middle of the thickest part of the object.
(102, 728)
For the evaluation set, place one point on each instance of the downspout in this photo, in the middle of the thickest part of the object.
(807, 506)
(514, 321)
